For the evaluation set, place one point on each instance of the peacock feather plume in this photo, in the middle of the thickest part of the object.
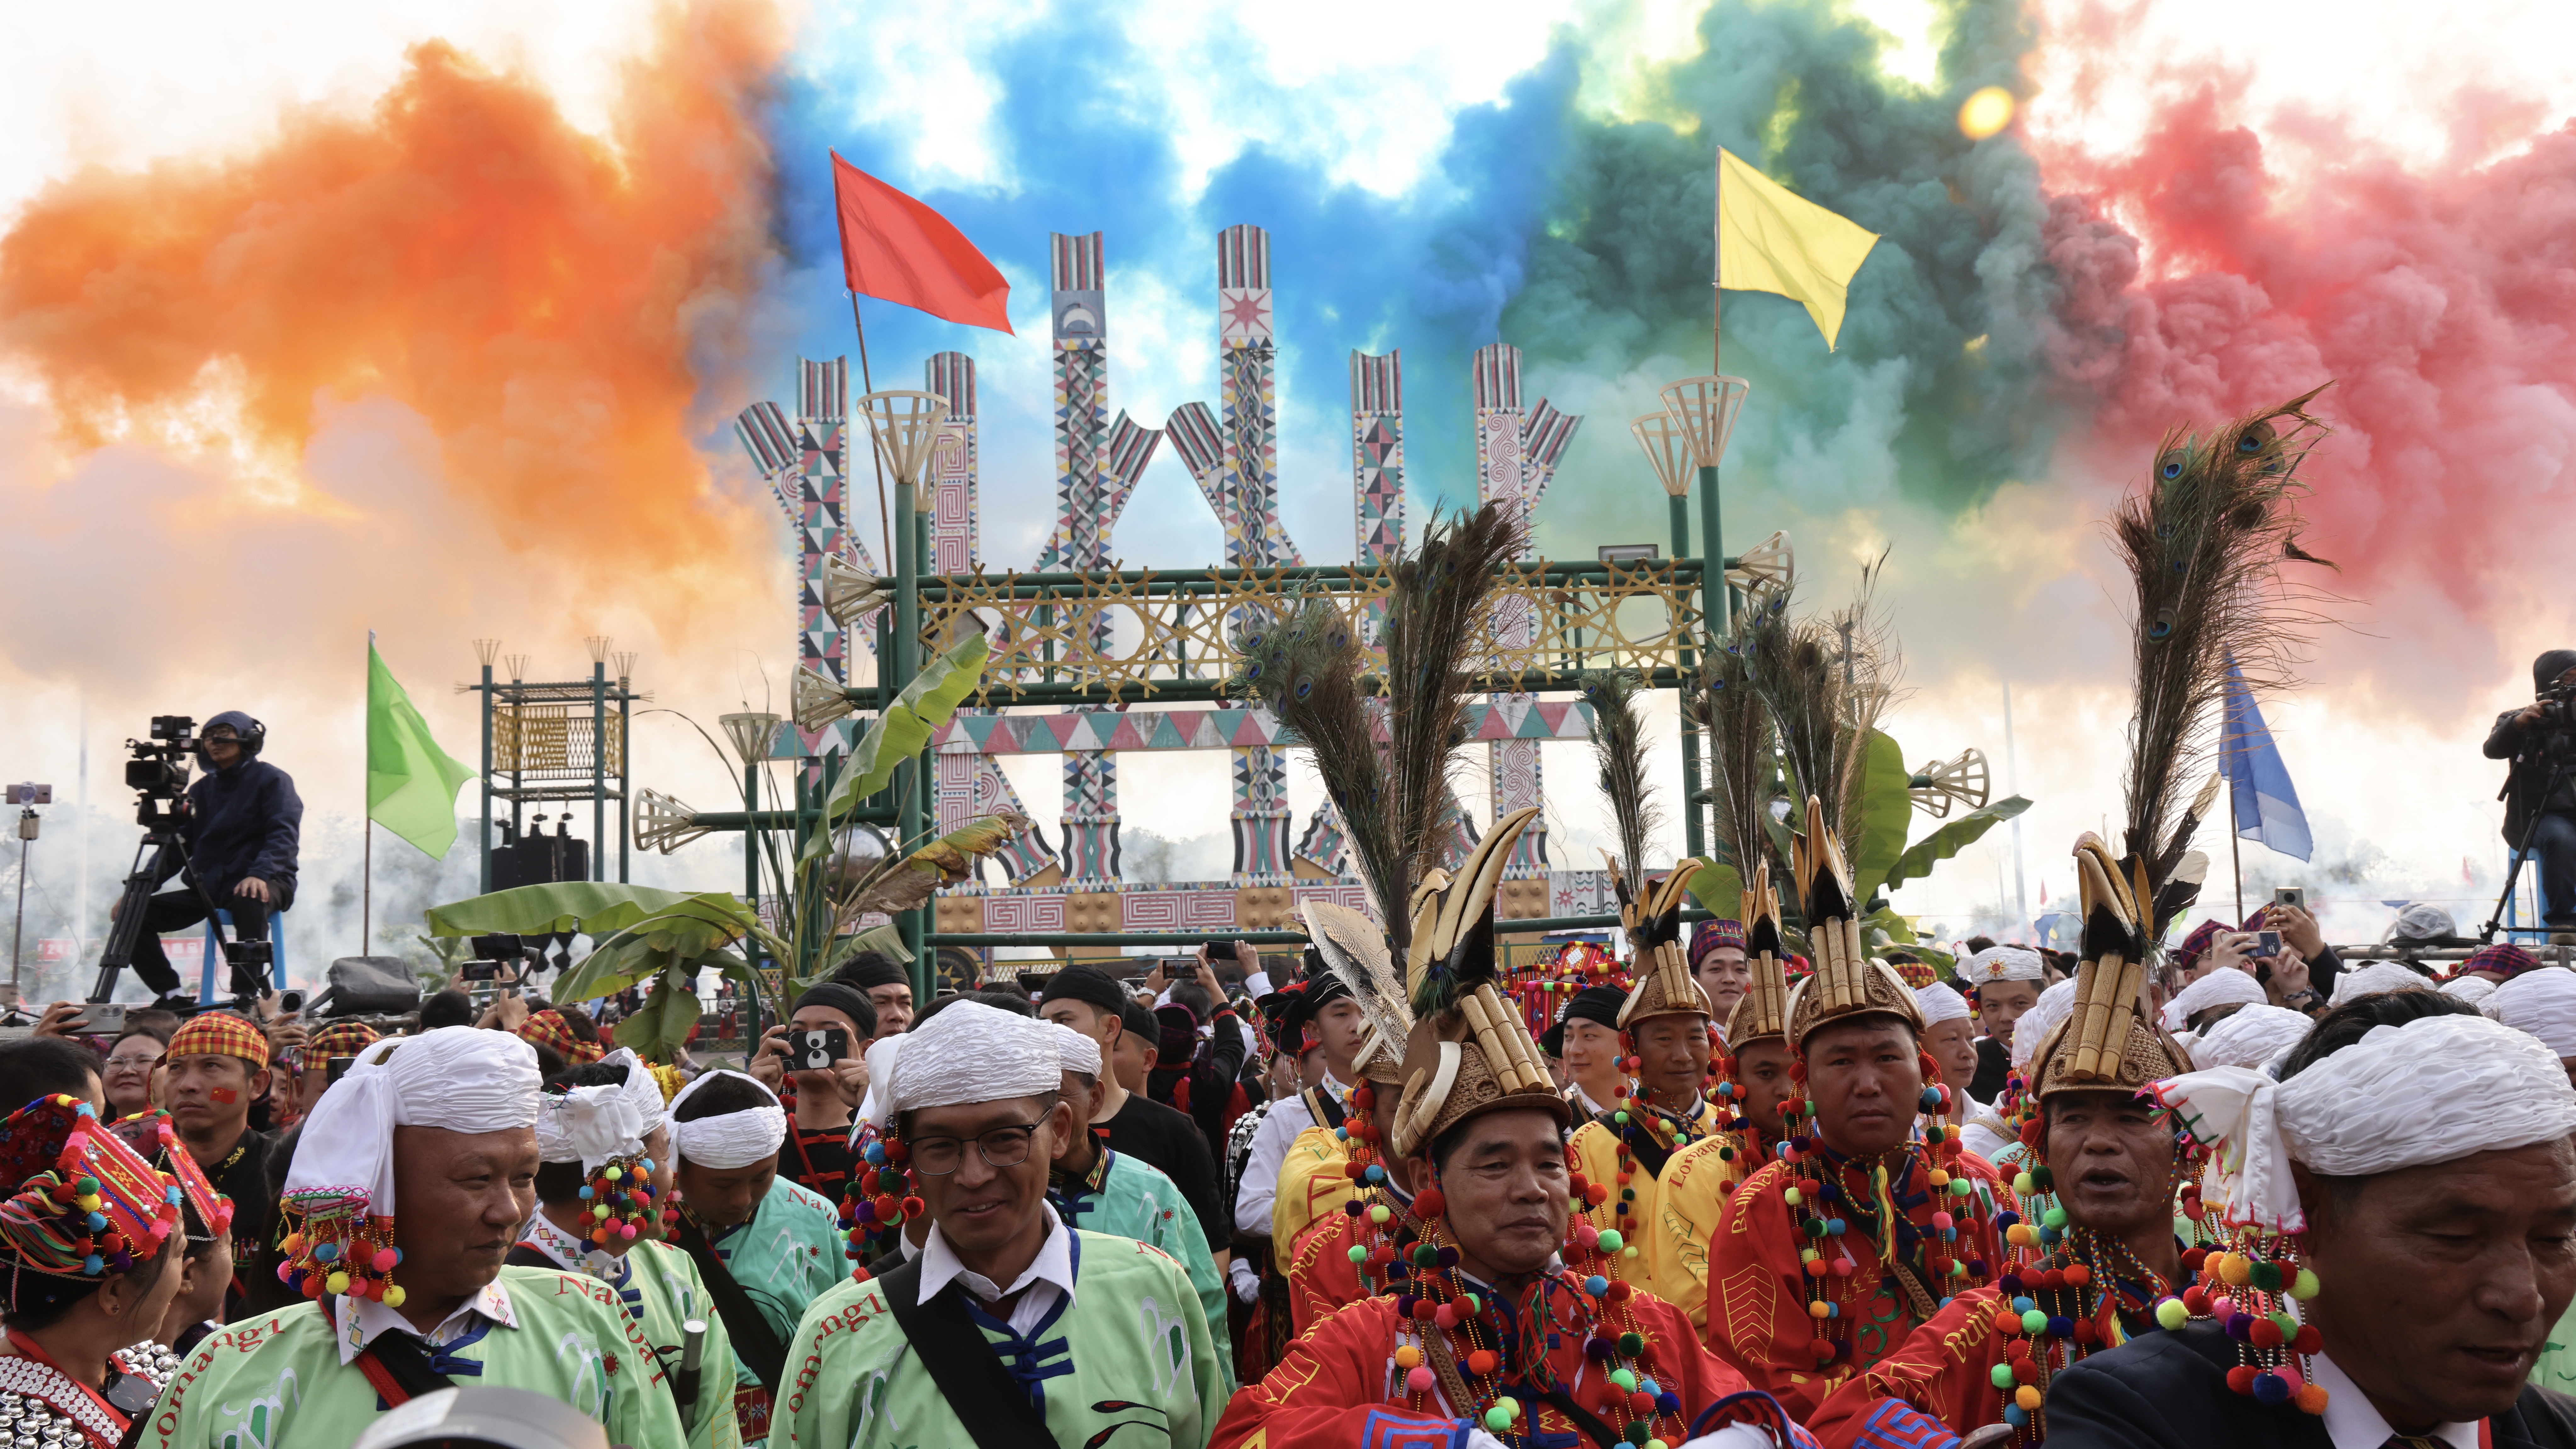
(1619, 748)
(1741, 768)
(1308, 663)
(2204, 541)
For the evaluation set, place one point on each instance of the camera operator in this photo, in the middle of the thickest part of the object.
(2538, 738)
(243, 816)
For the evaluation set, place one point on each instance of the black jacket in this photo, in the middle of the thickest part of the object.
(2169, 1391)
(2512, 740)
(242, 822)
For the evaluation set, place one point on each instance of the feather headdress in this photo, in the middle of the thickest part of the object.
(2204, 541)
(1355, 950)
(1307, 665)
(1619, 748)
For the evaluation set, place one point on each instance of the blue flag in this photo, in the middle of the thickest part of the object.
(2267, 804)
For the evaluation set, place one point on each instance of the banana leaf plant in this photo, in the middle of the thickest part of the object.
(642, 934)
(1881, 857)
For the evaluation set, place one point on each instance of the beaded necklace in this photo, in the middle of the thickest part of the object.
(1456, 1335)
(2084, 1295)
(1906, 1205)
(1379, 1220)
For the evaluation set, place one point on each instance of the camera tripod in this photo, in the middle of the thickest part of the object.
(161, 843)
(2522, 848)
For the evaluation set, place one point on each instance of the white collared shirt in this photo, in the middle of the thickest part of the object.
(363, 1319)
(1271, 1140)
(2354, 1423)
(1048, 1276)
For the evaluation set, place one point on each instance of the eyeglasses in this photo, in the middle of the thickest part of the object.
(133, 1064)
(1001, 1147)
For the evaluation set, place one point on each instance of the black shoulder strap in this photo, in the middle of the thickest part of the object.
(1587, 1422)
(755, 1343)
(988, 1402)
(523, 1256)
(400, 1355)
(1320, 1105)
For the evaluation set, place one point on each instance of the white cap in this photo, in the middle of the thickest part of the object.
(729, 1139)
(2220, 986)
(643, 1090)
(2003, 963)
(2392, 1100)
(2371, 978)
(458, 1078)
(970, 1052)
(2472, 989)
(2248, 1037)
(1940, 1003)
(2542, 1003)
(1074, 1051)
(588, 1125)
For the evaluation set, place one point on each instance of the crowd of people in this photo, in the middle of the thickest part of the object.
(1727, 1197)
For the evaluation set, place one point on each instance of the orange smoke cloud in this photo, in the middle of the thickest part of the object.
(540, 296)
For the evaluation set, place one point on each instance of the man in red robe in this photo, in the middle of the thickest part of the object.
(1481, 1338)
(1827, 1258)
(2115, 1159)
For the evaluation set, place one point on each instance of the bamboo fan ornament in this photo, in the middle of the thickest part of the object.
(818, 699)
(1771, 565)
(664, 822)
(1963, 781)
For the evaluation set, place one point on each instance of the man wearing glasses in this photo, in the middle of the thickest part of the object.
(1008, 1327)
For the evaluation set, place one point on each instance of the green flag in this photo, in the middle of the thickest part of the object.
(411, 782)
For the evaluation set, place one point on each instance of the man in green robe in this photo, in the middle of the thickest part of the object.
(604, 1119)
(1009, 1327)
(1101, 1190)
(745, 1224)
(450, 1311)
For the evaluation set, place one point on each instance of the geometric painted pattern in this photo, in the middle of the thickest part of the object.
(1502, 477)
(1080, 330)
(1248, 404)
(963, 789)
(805, 464)
(1216, 729)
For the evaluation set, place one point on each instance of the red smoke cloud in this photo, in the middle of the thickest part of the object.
(537, 294)
(2443, 304)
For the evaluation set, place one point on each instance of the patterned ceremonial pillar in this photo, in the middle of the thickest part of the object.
(1081, 331)
(965, 786)
(805, 464)
(1503, 477)
(1377, 455)
(1247, 370)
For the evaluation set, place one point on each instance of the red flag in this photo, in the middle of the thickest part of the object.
(897, 249)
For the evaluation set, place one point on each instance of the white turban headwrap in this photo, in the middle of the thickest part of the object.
(588, 1125)
(2542, 1003)
(2054, 1005)
(458, 1078)
(2398, 1098)
(1074, 1051)
(2224, 986)
(1940, 1003)
(643, 1090)
(2472, 989)
(877, 1110)
(2249, 1037)
(970, 1052)
(2373, 977)
(2003, 963)
(730, 1139)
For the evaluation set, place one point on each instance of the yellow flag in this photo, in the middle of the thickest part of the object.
(1770, 239)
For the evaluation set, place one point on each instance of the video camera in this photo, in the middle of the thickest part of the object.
(159, 770)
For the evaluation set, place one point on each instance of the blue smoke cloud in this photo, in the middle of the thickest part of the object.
(1584, 239)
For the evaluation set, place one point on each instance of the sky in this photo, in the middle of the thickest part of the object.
(432, 318)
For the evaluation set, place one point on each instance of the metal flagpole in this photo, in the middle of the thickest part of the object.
(885, 525)
(2235, 852)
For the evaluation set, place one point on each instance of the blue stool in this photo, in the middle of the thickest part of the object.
(215, 952)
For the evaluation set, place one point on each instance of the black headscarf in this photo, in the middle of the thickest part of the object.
(1593, 1003)
(1087, 984)
(849, 1002)
(868, 970)
(2546, 669)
